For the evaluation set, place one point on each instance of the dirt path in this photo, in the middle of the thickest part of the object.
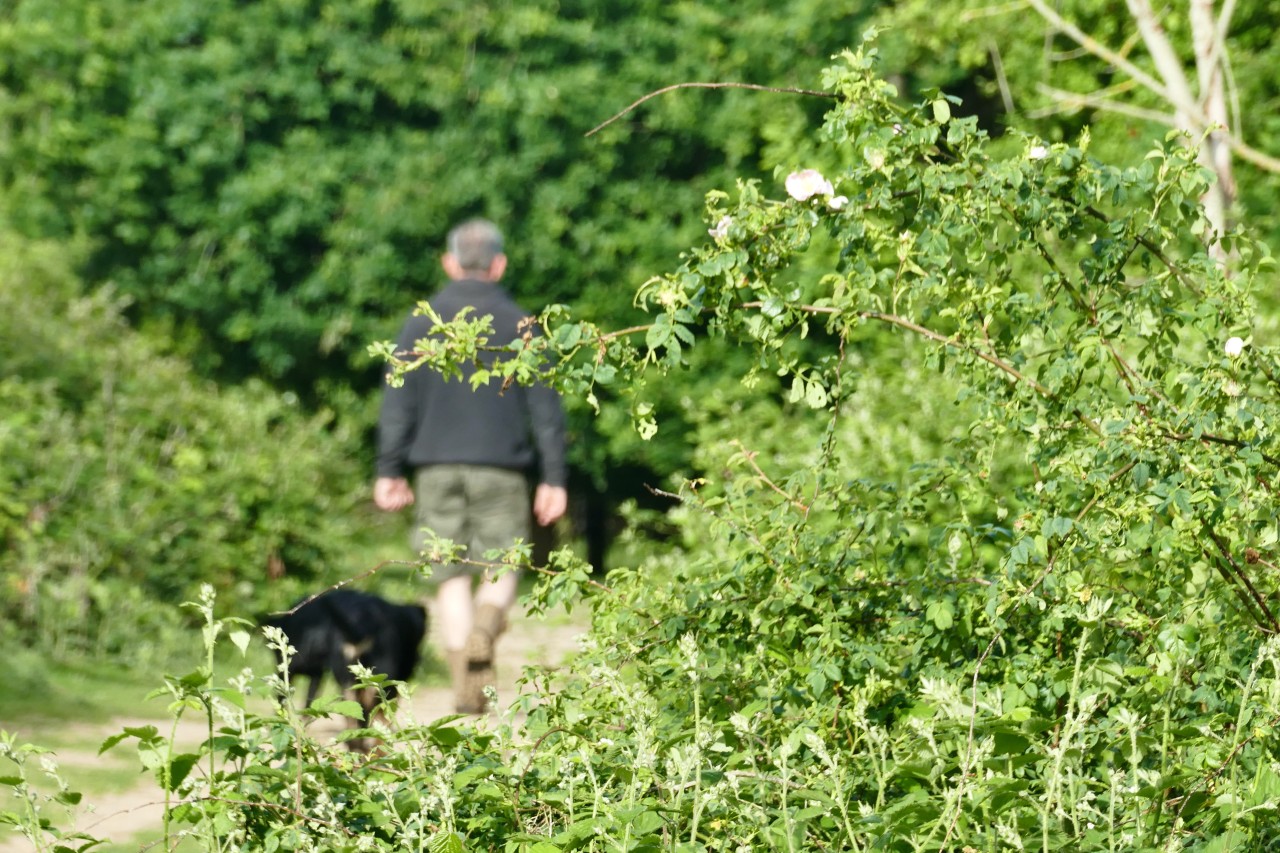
(135, 816)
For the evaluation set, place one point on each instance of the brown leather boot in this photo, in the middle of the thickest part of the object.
(488, 625)
(465, 699)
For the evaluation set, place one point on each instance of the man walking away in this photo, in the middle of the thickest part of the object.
(471, 453)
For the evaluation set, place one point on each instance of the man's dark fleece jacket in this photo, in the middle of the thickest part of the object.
(431, 421)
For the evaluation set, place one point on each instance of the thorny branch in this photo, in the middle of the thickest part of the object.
(1242, 577)
(750, 457)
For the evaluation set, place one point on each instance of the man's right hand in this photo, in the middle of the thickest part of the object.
(549, 503)
(392, 493)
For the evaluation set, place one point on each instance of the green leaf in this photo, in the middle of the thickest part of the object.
(240, 639)
(1056, 527)
(647, 822)
(232, 696)
(467, 775)
(69, 798)
(336, 705)
(816, 395)
(446, 842)
(1141, 475)
(1222, 843)
(445, 735)
(941, 613)
(196, 678)
(179, 767)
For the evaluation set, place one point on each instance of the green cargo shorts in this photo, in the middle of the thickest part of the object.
(480, 507)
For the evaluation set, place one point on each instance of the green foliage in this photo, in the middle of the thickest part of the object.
(1006, 56)
(274, 180)
(1042, 625)
(270, 184)
(129, 481)
(998, 574)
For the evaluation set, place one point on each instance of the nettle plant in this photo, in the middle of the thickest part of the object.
(1047, 623)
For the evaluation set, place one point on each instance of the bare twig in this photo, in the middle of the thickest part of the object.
(970, 15)
(1006, 95)
(1219, 51)
(829, 443)
(672, 88)
(462, 561)
(1246, 603)
(1210, 438)
(966, 768)
(1206, 782)
(745, 533)
(1254, 156)
(1145, 242)
(903, 323)
(543, 570)
(630, 330)
(346, 582)
(1077, 100)
(1105, 53)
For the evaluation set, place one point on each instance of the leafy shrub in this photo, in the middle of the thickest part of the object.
(1042, 624)
(1046, 624)
(127, 480)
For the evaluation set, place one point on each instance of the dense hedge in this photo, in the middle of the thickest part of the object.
(128, 481)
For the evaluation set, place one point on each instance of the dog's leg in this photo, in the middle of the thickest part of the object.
(313, 690)
(367, 698)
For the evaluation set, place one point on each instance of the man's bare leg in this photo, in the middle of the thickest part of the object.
(454, 616)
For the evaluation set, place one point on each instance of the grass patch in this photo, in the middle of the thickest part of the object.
(44, 699)
(111, 773)
(53, 692)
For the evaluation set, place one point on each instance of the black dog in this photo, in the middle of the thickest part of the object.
(336, 629)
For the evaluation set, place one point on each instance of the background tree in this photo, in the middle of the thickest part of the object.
(275, 180)
(129, 482)
(270, 184)
(1131, 71)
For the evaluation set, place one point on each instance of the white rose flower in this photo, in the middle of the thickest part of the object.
(722, 228)
(1233, 347)
(806, 183)
(1037, 152)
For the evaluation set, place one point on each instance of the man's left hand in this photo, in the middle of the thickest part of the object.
(392, 493)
